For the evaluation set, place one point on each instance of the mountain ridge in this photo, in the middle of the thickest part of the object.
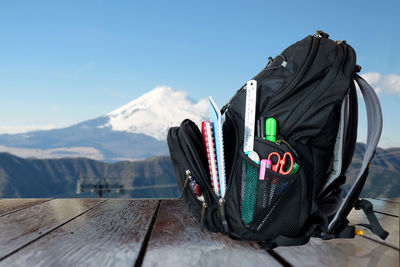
(134, 131)
(58, 177)
(154, 112)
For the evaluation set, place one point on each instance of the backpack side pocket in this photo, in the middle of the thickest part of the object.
(181, 170)
(189, 161)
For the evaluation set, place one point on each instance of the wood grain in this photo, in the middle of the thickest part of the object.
(389, 223)
(89, 232)
(396, 200)
(359, 251)
(176, 240)
(8, 205)
(340, 252)
(24, 226)
(109, 235)
(388, 207)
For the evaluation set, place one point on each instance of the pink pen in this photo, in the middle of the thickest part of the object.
(263, 165)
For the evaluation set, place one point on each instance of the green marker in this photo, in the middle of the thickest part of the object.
(295, 169)
(270, 129)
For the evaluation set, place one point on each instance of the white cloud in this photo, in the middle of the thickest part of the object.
(387, 84)
(388, 141)
(60, 152)
(23, 129)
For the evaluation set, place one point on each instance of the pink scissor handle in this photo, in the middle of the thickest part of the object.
(283, 162)
(275, 167)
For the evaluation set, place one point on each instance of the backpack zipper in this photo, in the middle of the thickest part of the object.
(207, 186)
(201, 198)
(195, 191)
(292, 83)
(325, 83)
(279, 141)
(263, 73)
(203, 211)
(282, 93)
(194, 154)
(188, 174)
(222, 211)
(258, 77)
(224, 108)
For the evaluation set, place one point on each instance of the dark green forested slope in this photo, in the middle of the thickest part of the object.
(384, 175)
(58, 177)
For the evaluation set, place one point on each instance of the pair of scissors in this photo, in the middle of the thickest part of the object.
(281, 162)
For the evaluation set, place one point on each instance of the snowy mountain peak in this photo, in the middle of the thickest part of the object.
(156, 111)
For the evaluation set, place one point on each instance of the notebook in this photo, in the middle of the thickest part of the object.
(216, 123)
(208, 138)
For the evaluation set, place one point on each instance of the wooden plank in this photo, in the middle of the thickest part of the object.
(359, 251)
(396, 200)
(176, 240)
(389, 223)
(109, 235)
(8, 205)
(340, 252)
(387, 207)
(24, 226)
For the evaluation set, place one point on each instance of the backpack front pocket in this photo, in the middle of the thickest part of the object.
(272, 194)
(276, 193)
(183, 169)
(193, 155)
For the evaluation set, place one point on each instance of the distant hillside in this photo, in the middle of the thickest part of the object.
(384, 175)
(154, 177)
(58, 177)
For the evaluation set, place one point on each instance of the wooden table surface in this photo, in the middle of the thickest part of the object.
(132, 232)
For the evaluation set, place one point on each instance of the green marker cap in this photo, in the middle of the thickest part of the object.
(270, 129)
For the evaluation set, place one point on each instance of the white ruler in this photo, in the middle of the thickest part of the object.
(250, 116)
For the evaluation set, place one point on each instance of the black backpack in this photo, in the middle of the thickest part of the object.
(310, 90)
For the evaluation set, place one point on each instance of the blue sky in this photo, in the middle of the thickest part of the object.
(65, 62)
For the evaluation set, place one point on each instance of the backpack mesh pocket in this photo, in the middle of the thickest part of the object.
(271, 196)
(262, 202)
(248, 198)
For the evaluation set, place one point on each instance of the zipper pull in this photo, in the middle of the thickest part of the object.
(278, 142)
(203, 211)
(270, 59)
(188, 175)
(221, 206)
(320, 34)
(223, 220)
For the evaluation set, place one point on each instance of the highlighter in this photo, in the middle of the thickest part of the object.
(296, 167)
(265, 164)
(270, 129)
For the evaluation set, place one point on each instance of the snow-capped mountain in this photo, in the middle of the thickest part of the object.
(136, 130)
(155, 112)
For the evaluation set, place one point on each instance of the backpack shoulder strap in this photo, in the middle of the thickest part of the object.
(345, 144)
(351, 126)
(374, 116)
